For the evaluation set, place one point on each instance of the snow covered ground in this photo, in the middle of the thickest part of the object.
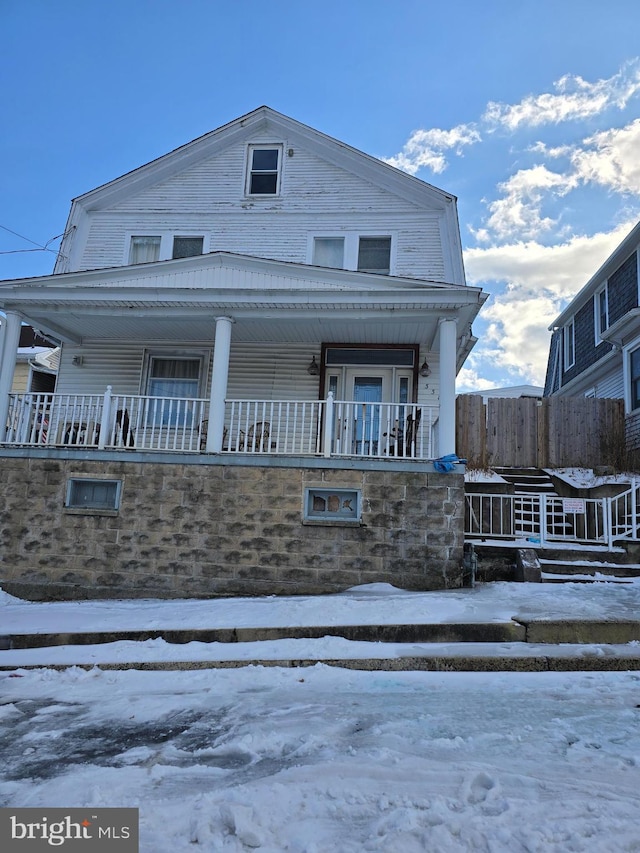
(324, 760)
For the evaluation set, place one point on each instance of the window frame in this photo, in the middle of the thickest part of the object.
(601, 292)
(369, 237)
(569, 344)
(250, 171)
(632, 399)
(309, 516)
(201, 355)
(317, 237)
(96, 508)
(175, 237)
(166, 244)
(352, 247)
(132, 237)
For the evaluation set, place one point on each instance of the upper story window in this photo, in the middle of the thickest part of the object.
(352, 252)
(186, 247)
(263, 171)
(374, 255)
(144, 250)
(328, 252)
(634, 379)
(569, 338)
(601, 308)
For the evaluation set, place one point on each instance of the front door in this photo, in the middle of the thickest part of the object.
(373, 407)
(369, 388)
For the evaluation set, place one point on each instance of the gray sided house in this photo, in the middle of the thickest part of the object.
(595, 344)
(260, 333)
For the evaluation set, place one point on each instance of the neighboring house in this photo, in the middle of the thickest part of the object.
(511, 391)
(595, 345)
(36, 363)
(260, 336)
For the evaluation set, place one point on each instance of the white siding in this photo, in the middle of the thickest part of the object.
(257, 372)
(316, 197)
(418, 245)
(217, 186)
(611, 386)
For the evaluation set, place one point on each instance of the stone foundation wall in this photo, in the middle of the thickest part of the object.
(213, 529)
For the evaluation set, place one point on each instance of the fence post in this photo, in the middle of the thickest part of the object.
(634, 509)
(328, 425)
(607, 520)
(105, 419)
(542, 503)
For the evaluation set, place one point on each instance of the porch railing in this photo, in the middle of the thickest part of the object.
(543, 519)
(294, 427)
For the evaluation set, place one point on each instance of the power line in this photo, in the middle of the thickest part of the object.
(39, 248)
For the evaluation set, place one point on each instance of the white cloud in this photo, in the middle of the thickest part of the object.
(469, 380)
(610, 159)
(426, 148)
(607, 159)
(540, 280)
(575, 98)
(561, 269)
(519, 211)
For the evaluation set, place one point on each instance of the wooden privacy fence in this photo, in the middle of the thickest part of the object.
(527, 432)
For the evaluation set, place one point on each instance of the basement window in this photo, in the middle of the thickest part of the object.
(84, 493)
(332, 505)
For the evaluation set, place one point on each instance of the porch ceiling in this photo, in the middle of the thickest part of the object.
(391, 319)
(79, 327)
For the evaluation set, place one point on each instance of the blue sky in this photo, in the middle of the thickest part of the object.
(528, 111)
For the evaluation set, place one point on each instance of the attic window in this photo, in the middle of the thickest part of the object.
(263, 171)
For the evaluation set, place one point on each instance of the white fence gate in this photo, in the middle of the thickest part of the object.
(542, 519)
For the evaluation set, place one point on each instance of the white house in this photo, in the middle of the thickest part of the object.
(263, 299)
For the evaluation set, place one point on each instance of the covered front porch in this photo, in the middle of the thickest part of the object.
(222, 354)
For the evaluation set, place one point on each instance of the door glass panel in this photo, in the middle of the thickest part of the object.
(367, 389)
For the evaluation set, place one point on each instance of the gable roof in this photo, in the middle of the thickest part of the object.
(265, 119)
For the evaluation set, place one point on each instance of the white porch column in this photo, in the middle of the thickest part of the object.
(447, 420)
(9, 341)
(219, 380)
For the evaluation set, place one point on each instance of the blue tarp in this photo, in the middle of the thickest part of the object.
(447, 463)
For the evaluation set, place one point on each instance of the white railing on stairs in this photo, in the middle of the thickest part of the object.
(545, 519)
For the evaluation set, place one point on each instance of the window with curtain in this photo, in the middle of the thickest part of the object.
(173, 378)
(328, 252)
(144, 250)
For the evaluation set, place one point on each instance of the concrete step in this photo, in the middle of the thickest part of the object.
(526, 645)
(587, 571)
(590, 567)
